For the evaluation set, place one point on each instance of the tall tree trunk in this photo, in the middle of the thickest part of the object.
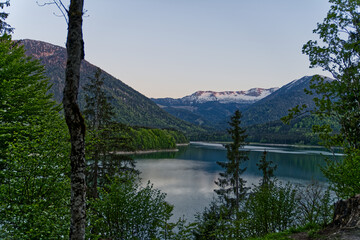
(74, 120)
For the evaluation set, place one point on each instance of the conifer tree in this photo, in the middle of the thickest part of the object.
(98, 111)
(267, 169)
(232, 185)
(4, 27)
(105, 137)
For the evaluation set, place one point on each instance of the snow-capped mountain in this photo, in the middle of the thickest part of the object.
(249, 96)
(208, 107)
(258, 105)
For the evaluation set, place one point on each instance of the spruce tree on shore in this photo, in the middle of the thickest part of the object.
(232, 185)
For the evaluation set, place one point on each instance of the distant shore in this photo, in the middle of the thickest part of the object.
(182, 144)
(138, 152)
(265, 144)
(146, 151)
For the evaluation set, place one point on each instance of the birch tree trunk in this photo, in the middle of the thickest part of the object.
(74, 120)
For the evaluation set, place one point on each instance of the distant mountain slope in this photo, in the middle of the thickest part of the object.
(210, 108)
(258, 105)
(131, 107)
(277, 104)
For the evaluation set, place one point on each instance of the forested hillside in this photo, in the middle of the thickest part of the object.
(154, 139)
(261, 117)
(299, 131)
(214, 113)
(131, 107)
(277, 104)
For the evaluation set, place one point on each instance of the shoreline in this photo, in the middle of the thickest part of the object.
(182, 144)
(138, 152)
(267, 144)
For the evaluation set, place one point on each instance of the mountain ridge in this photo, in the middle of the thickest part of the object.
(248, 96)
(131, 107)
(277, 104)
(258, 105)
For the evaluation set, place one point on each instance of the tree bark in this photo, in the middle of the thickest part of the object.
(74, 120)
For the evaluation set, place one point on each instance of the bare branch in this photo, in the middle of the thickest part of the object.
(58, 3)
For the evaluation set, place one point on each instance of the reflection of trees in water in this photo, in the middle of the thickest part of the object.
(301, 166)
(304, 166)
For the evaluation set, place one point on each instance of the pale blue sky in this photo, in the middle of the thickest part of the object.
(172, 48)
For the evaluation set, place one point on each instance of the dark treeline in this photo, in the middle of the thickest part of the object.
(298, 131)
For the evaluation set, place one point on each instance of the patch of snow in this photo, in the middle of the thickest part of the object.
(249, 96)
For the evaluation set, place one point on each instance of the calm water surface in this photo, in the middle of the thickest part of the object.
(188, 176)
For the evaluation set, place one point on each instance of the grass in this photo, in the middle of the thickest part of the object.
(311, 229)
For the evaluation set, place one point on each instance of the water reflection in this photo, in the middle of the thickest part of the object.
(188, 176)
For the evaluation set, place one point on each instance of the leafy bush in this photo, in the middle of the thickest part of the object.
(271, 208)
(343, 174)
(125, 210)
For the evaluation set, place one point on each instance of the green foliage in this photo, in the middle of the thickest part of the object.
(270, 205)
(271, 208)
(35, 187)
(125, 210)
(180, 230)
(232, 185)
(130, 107)
(338, 53)
(207, 222)
(344, 174)
(22, 91)
(149, 139)
(310, 229)
(118, 207)
(178, 136)
(108, 136)
(34, 149)
(98, 111)
(340, 56)
(216, 223)
(267, 170)
(5, 28)
(102, 158)
(298, 131)
(268, 208)
(104, 138)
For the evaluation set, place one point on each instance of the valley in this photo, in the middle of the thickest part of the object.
(203, 115)
(255, 145)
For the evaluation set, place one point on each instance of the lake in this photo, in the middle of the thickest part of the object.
(188, 176)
